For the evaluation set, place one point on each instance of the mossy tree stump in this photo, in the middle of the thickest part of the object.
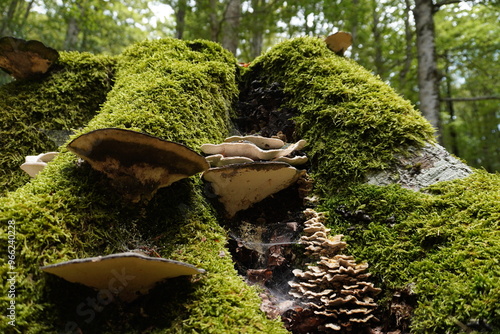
(441, 241)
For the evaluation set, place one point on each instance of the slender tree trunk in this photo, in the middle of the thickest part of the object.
(232, 16)
(214, 23)
(427, 64)
(257, 37)
(8, 21)
(71, 40)
(377, 39)
(409, 45)
(180, 18)
(451, 112)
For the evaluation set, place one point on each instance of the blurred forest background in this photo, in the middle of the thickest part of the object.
(466, 35)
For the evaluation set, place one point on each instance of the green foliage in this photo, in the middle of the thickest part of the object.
(444, 242)
(353, 122)
(469, 47)
(176, 90)
(32, 111)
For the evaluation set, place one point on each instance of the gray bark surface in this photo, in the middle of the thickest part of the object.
(422, 168)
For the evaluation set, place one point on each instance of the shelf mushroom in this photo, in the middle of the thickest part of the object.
(239, 186)
(25, 59)
(126, 275)
(35, 163)
(251, 150)
(137, 163)
(339, 42)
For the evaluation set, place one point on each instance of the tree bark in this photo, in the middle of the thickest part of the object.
(257, 37)
(7, 22)
(409, 45)
(180, 16)
(428, 81)
(377, 38)
(232, 16)
(71, 39)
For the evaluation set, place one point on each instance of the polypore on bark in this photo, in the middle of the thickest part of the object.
(336, 287)
(137, 163)
(25, 59)
(138, 273)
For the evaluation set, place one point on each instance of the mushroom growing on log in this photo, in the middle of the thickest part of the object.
(25, 59)
(126, 275)
(137, 163)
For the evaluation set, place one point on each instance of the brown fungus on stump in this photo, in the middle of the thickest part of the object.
(336, 287)
(339, 42)
(239, 186)
(126, 275)
(137, 163)
(25, 59)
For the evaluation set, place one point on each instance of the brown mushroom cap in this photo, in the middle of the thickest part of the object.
(137, 163)
(239, 186)
(339, 42)
(126, 275)
(24, 59)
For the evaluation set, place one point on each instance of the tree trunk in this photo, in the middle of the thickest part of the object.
(409, 45)
(257, 37)
(427, 64)
(377, 38)
(180, 16)
(7, 22)
(71, 40)
(214, 24)
(232, 16)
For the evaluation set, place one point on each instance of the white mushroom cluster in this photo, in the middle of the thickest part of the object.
(336, 287)
(237, 149)
(34, 164)
(245, 170)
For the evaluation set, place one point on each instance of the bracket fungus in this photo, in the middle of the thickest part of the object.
(251, 150)
(241, 185)
(25, 59)
(247, 169)
(339, 42)
(262, 142)
(137, 163)
(126, 275)
(35, 163)
(337, 286)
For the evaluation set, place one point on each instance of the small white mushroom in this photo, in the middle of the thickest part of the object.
(126, 275)
(36, 163)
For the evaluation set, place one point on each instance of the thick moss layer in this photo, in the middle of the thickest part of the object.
(352, 120)
(443, 243)
(179, 91)
(32, 112)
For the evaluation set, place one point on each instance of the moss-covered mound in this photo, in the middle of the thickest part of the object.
(179, 91)
(33, 112)
(440, 246)
(353, 121)
(443, 245)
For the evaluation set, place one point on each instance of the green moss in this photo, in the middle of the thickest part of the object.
(352, 120)
(32, 111)
(179, 91)
(445, 242)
